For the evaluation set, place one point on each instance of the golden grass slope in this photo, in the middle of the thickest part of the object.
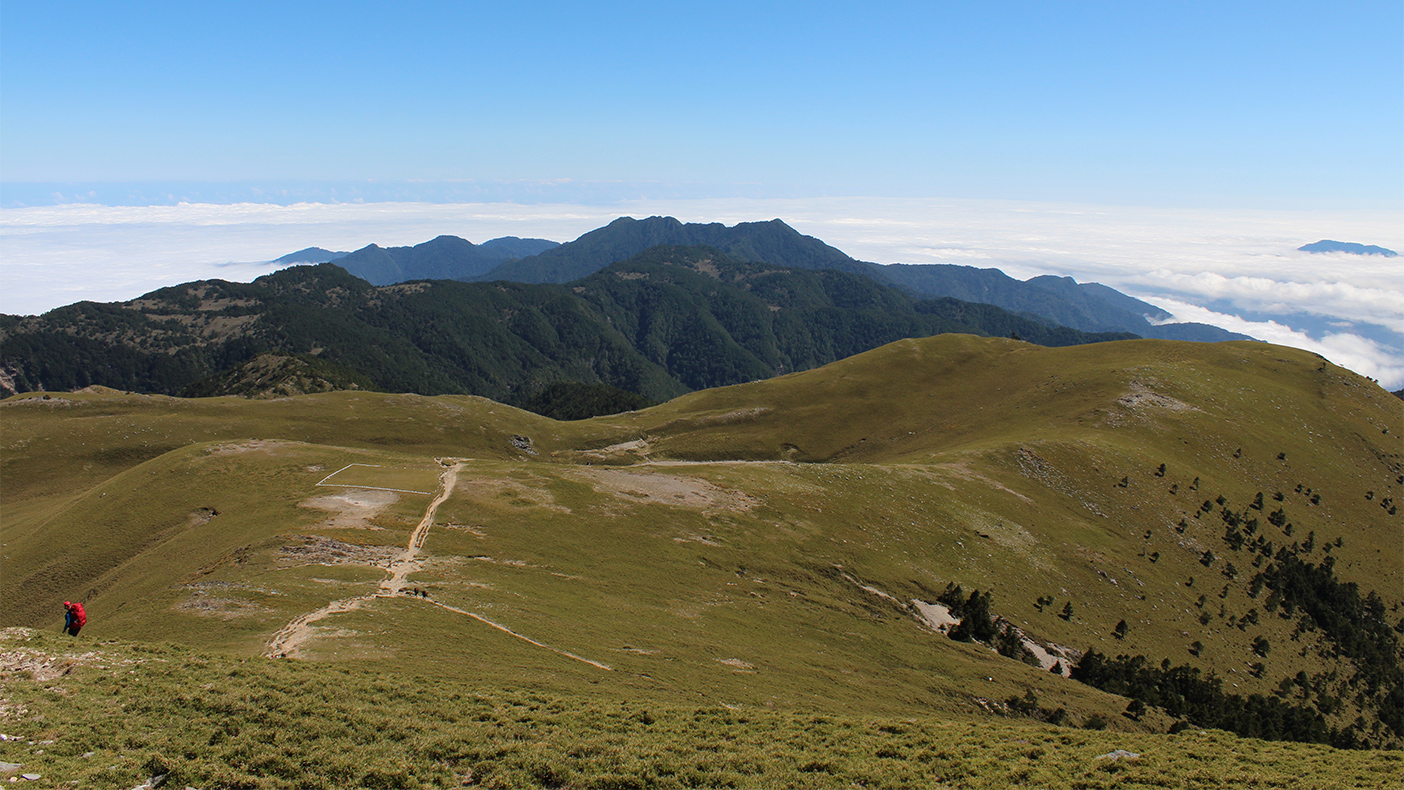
(758, 545)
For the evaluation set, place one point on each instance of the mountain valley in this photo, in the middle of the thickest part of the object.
(820, 543)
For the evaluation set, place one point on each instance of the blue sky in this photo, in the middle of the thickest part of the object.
(1252, 105)
(1180, 151)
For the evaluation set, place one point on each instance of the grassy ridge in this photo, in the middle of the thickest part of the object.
(116, 713)
(684, 546)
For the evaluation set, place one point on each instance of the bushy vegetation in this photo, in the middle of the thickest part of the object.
(1185, 692)
(573, 400)
(1355, 627)
(117, 714)
(272, 375)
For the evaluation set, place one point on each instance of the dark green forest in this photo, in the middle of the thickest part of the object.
(670, 320)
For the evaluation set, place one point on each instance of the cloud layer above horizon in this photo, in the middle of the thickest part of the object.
(1239, 270)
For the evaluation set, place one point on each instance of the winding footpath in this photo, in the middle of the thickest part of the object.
(287, 642)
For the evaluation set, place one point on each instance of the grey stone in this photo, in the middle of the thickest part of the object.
(1118, 754)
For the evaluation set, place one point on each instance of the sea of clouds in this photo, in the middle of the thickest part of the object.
(1239, 270)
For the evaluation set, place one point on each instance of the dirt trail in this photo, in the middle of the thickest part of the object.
(285, 643)
(288, 640)
(408, 561)
(504, 629)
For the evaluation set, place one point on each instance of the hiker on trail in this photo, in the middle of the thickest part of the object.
(74, 617)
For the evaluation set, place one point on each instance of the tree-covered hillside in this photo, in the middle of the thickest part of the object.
(442, 258)
(771, 242)
(668, 321)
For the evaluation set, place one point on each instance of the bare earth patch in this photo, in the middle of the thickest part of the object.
(737, 664)
(240, 448)
(353, 508)
(936, 615)
(214, 599)
(1141, 402)
(318, 550)
(693, 537)
(661, 489)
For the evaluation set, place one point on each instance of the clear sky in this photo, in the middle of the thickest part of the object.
(1196, 104)
(1179, 150)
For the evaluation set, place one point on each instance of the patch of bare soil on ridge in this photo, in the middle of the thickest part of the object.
(1141, 401)
(352, 509)
(212, 599)
(318, 550)
(251, 446)
(661, 489)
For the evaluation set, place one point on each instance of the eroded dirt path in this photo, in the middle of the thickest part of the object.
(504, 629)
(408, 561)
(288, 641)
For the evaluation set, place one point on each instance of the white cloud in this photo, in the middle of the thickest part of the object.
(1360, 354)
(55, 255)
(1379, 305)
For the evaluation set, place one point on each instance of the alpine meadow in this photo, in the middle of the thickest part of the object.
(949, 561)
(695, 396)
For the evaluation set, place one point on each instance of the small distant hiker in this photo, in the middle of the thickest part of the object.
(74, 617)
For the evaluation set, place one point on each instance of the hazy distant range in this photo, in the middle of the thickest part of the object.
(1239, 270)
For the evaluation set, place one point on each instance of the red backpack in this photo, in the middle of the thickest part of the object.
(80, 617)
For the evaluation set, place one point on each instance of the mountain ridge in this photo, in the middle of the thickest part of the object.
(779, 543)
(771, 242)
(1349, 247)
(1090, 307)
(441, 258)
(658, 325)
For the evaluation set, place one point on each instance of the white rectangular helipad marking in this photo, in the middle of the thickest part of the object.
(323, 482)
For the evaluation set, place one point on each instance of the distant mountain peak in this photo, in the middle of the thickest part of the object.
(1328, 245)
(310, 255)
(771, 241)
(444, 257)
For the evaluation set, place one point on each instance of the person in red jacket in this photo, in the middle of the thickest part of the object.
(74, 617)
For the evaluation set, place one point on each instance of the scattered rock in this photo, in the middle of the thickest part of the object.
(318, 550)
(523, 443)
(1118, 754)
(9, 768)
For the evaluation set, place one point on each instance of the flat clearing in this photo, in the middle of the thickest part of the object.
(402, 479)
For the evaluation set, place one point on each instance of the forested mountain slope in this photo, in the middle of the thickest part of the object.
(668, 321)
(442, 258)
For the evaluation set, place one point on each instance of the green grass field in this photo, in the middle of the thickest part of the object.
(114, 714)
(756, 548)
(409, 480)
